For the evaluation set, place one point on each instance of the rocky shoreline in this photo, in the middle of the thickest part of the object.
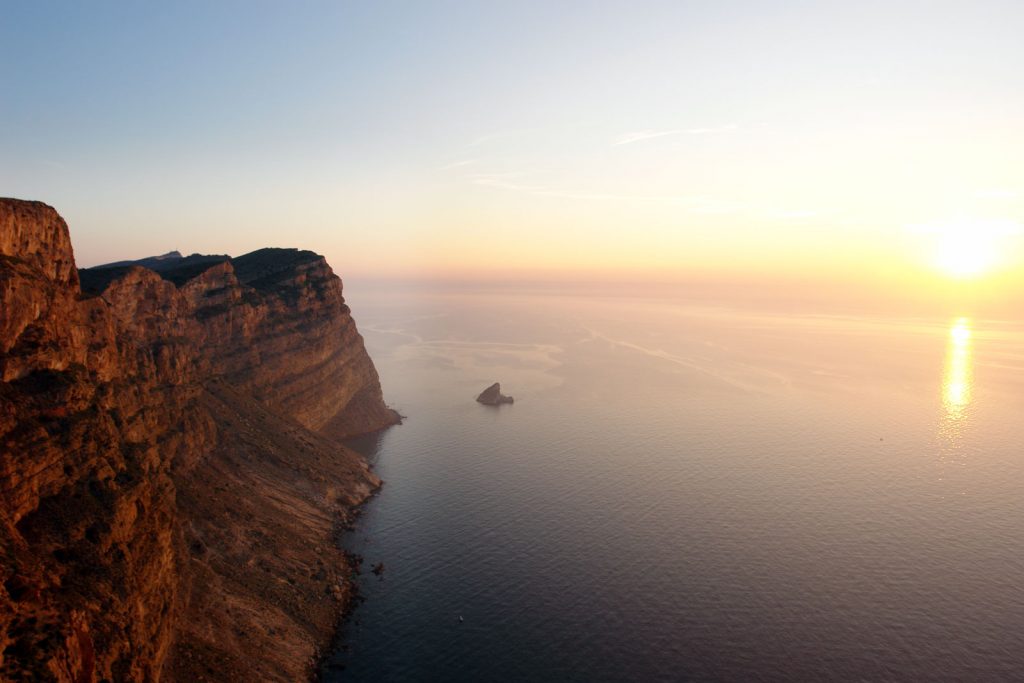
(353, 596)
(172, 475)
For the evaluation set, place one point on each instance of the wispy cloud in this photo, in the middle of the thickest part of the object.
(457, 164)
(980, 227)
(489, 137)
(525, 181)
(715, 129)
(641, 135)
(505, 181)
(513, 181)
(996, 193)
(789, 214)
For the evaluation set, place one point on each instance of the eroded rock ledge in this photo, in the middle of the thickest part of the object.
(170, 475)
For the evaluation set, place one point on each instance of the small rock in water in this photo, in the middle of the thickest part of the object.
(492, 396)
(378, 569)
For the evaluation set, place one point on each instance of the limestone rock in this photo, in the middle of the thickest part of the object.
(168, 458)
(492, 396)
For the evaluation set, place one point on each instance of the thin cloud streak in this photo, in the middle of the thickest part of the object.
(506, 181)
(457, 164)
(996, 193)
(690, 203)
(789, 214)
(715, 129)
(638, 136)
(490, 137)
(641, 135)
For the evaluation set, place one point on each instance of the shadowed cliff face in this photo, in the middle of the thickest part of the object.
(160, 435)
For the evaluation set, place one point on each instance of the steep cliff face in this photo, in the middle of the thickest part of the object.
(160, 435)
(89, 419)
(258, 308)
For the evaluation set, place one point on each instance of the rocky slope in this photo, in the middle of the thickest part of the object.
(170, 475)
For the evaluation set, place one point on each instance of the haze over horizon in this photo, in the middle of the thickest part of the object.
(875, 144)
(670, 340)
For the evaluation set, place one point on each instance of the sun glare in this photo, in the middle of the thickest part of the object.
(965, 254)
(967, 249)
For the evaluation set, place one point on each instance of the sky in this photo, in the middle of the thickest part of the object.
(864, 142)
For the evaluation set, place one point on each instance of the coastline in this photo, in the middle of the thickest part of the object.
(335, 642)
(173, 470)
(367, 446)
(260, 548)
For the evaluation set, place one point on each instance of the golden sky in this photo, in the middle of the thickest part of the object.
(876, 143)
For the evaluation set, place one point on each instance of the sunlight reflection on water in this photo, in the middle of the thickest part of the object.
(957, 387)
(680, 494)
(958, 377)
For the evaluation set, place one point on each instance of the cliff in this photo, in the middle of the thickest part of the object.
(170, 475)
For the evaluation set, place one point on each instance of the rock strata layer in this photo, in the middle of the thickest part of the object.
(170, 475)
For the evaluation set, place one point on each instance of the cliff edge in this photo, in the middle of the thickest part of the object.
(170, 476)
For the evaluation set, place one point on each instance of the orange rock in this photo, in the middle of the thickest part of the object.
(155, 413)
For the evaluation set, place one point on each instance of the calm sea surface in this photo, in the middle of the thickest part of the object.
(688, 493)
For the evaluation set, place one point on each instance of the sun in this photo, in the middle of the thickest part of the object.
(965, 253)
(969, 248)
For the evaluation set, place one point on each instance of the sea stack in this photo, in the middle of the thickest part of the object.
(492, 396)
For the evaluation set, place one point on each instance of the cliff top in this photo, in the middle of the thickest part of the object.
(33, 232)
(260, 269)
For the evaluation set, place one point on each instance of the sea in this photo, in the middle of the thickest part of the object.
(686, 491)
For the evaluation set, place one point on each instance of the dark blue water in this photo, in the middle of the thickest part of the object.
(689, 494)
